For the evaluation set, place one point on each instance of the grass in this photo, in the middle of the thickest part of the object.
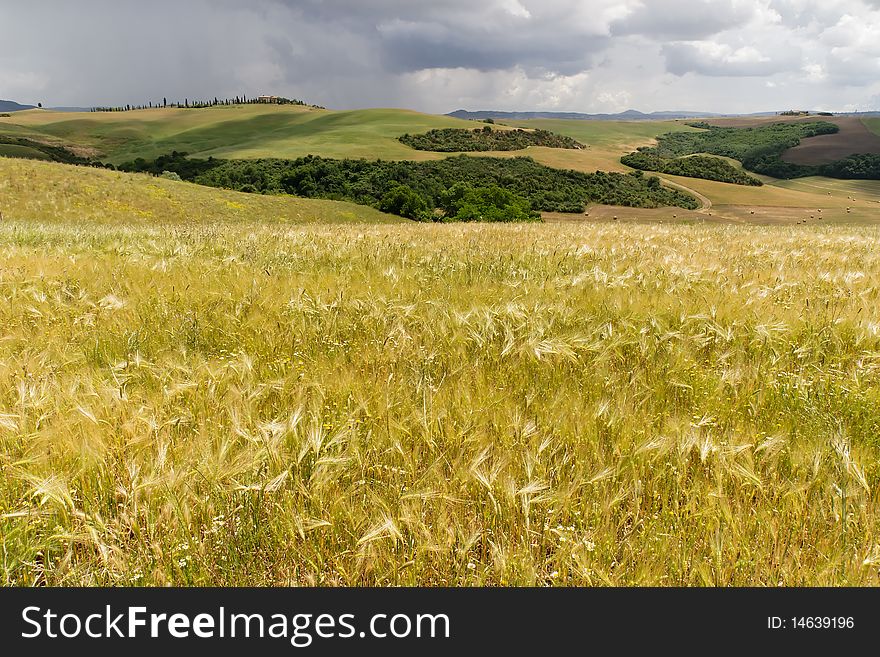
(804, 193)
(811, 185)
(243, 400)
(606, 141)
(83, 194)
(14, 150)
(873, 124)
(259, 131)
(253, 131)
(249, 131)
(620, 135)
(861, 190)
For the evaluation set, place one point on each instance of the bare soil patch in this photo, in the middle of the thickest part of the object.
(854, 137)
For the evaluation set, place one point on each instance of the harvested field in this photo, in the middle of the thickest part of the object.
(854, 137)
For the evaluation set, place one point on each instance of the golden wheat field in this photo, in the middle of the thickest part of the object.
(221, 401)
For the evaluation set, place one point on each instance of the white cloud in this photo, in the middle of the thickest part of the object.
(581, 55)
(815, 72)
(515, 8)
(615, 101)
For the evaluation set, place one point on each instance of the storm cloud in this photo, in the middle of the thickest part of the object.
(577, 55)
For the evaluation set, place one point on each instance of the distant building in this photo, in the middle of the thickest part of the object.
(268, 99)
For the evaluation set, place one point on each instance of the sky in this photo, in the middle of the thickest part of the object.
(440, 55)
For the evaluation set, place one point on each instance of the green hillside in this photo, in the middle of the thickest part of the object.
(26, 152)
(605, 141)
(269, 131)
(606, 133)
(75, 195)
(249, 131)
(262, 131)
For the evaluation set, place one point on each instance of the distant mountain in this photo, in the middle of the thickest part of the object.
(11, 106)
(628, 115)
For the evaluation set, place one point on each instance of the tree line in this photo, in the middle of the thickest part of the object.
(461, 187)
(200, 104)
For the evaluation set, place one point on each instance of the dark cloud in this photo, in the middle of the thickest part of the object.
(590, 55)
(412, 36)
(415, 46)
(684, 19)
(716, 60)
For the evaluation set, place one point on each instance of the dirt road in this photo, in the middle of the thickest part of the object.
(707, 203)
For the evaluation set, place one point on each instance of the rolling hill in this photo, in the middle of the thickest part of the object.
(856, 134)
(262, 131)
(85, 195)
(243, 131)
(854, 137)
(258, 131)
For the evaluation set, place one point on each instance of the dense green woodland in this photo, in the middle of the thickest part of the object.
(759, 149)
(865, 166)
(424, 189)
(459, 140)
(694, 166)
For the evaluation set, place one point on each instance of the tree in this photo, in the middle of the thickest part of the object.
(405, 202)
(466, 203)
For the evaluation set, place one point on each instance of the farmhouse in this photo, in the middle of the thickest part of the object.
(268, 99)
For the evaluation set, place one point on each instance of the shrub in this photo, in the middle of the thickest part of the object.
(694, 166)
(454, 140)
